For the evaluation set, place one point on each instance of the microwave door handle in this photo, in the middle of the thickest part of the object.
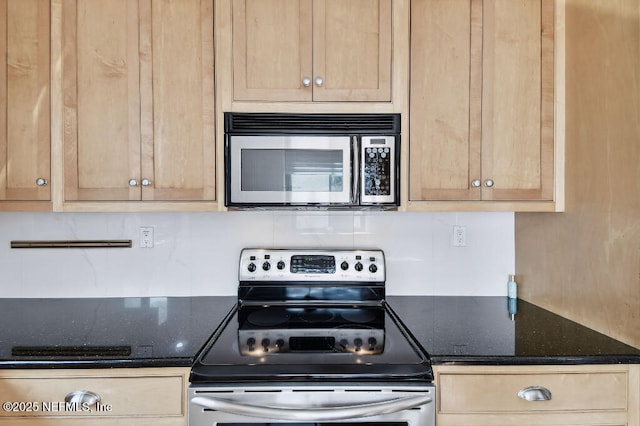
(314, 414)
(355, 173)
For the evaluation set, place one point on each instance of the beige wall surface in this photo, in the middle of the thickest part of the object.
(585, 263)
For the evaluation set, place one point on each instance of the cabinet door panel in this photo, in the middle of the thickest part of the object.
(517, 130)
(24, 99)
(272, 49)
(101, 94)
(446, 61)
(178, 140)
(352, 50)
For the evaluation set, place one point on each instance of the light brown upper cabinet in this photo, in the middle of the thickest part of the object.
(311, 50)
(25, 143)
(482, 103)
(138, 95)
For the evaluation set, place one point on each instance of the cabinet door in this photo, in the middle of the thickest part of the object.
(352, 50)
(272, 50)
(101, 99)
(482, 117)
(445, 104)
(25, 155)
(178, 139)
(517, 103)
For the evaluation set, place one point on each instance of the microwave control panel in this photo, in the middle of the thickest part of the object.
(378, 169)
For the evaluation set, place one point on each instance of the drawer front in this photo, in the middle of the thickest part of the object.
(119, 396)
(498, 393)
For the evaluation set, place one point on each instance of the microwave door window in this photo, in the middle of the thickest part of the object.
(313, 170)
(294, 175)
(262, 170)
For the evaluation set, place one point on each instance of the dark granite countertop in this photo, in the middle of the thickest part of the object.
(479, 330)
(107, 332)
(171, 331)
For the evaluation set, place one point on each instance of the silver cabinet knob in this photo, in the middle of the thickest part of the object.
(475, 183)
(488, 183)
(133, 182)
(146, 182)
(319, 81)
(82, 397)
(306, 82)
(535, 393)
(41, 182)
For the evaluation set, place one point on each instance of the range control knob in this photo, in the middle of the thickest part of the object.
(373, 268)
(266, 266)
(359, 267)
(372, 343)
(280, 265)
(251, 267)
(251, 343)
(358, 344)
(265, 344)
(279, 343)
(344, 265)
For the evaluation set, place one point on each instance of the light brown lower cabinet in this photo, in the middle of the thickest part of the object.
(561, 395)
(128, 396)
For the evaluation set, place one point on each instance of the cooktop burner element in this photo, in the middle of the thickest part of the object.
(358, 315)
(268, 317)
(312, 315)
(316, 315)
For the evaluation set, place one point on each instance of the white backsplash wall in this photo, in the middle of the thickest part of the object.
(196, 254)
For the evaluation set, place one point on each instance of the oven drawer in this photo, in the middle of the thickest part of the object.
(532, 390)
(157, 392)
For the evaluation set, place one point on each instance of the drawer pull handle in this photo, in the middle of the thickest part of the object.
(535, 393)
(82, 397)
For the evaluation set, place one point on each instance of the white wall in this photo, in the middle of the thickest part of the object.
(197, 253)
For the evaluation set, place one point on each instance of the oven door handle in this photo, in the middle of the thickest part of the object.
(313, 414)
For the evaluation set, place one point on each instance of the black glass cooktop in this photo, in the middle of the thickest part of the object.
(312, 343)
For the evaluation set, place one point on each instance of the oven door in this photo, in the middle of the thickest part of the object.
(274, 170)
(312, 405)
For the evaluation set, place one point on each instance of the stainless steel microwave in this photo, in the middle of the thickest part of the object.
(312, 160)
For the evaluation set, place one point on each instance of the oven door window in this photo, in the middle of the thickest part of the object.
(290, 169)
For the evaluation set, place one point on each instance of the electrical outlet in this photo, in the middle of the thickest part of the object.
(146, 237)
(459, 236)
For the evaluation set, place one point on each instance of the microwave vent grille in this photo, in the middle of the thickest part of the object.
(244, 123)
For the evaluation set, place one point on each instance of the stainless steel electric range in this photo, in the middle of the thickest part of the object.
(312, 341)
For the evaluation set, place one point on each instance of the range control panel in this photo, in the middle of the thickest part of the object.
(311, 265)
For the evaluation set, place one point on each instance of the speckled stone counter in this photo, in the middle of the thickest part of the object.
(107, 332)
(479, 330)
(171, 331)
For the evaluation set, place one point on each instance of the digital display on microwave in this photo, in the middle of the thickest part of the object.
(292, 170)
